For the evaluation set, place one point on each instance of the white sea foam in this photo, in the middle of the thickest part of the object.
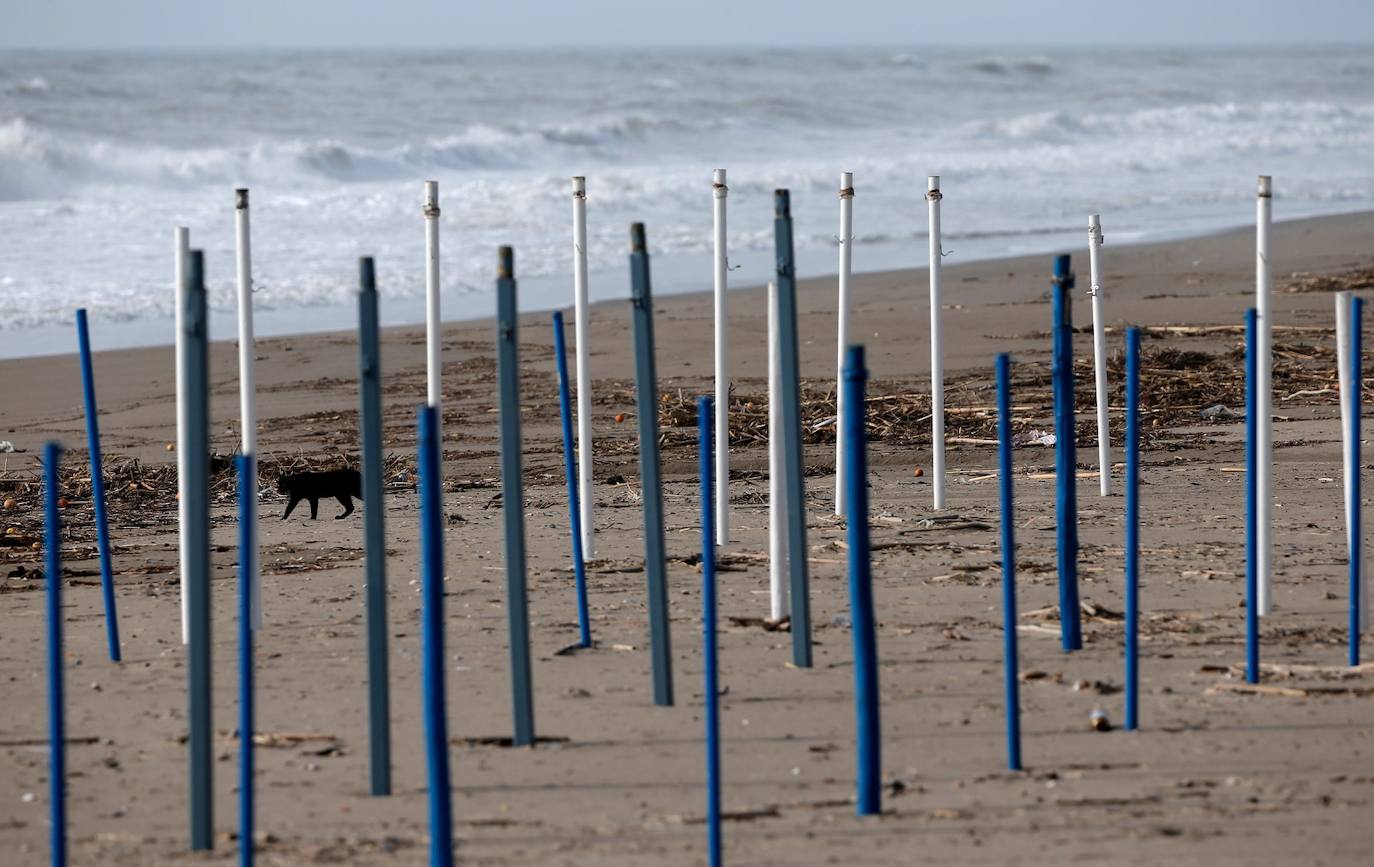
(100, 156)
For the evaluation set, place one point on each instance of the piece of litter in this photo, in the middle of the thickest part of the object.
(1034, 437)
(1221, 411)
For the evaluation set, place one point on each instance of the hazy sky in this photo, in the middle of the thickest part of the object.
(440, 23)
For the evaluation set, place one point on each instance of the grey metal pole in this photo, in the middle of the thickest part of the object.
(513, 500)
(200, 719)
(791, 431)
(650, 472)
(374, 530)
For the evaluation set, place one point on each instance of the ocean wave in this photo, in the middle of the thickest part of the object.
(1191, 122)
(32, 86)
(34, 160)
(1003, 66)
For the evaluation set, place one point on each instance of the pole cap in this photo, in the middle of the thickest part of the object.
(505, 265)
(431, 198)
(1266, 186)
(782, 204)
(637, 242)
(579, 187)
(241, 199)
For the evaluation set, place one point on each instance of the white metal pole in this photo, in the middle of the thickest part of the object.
(433, 338)
(181, 252)
(722, 267)
(842, 337)
(777, 483)
(583, 335)
(1343, 379)
(1104, 436)
(937, 372)
(248, 412)
(1263, 216)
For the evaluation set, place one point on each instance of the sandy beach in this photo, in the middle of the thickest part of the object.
(1216, 775)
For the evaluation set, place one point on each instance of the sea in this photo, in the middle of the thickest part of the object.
(103, 154)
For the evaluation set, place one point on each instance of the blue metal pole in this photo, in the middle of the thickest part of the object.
(650, 473)
(711, 688)
(1356, 385)
(1010, 653)
(102, 530)
(513, 500)
(863, 626)
(1252, 662)
(793, 464)
(1132, 529)
(584, 623)
(247, 473)
(1066, 460)
(200, 718)
(374, 532)
(432, 638)
(57, 734)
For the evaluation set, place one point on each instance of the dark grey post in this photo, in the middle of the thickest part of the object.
(374, 530)
(513, 501)
(650, 479)
(791, 432)
(194, 363)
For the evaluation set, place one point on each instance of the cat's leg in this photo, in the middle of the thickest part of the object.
(347, 502)
(314, 507)
(295, 498)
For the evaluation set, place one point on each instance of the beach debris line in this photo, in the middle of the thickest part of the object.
(937, 370)
(248, 411)
(846, 239)
(1104, 458)
(868, 724)
(650, 468)
(513, 498)
(102, 526)
(790, 395)
(57, 741)
(1065, 459)
(432, 637)
(374, 530)
(583, 334)
(710, 674)
(570, 470)
(721, 269)
(1010, 654)
(777, 477)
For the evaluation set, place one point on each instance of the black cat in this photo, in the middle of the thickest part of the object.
(343, 485)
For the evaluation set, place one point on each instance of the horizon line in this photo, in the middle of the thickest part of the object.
(1095, 45)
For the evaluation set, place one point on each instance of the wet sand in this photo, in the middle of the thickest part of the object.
(1214, 775)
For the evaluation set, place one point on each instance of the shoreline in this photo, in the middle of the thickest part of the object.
(674, 272)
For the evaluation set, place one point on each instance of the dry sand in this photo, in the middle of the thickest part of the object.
(1213, 776)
